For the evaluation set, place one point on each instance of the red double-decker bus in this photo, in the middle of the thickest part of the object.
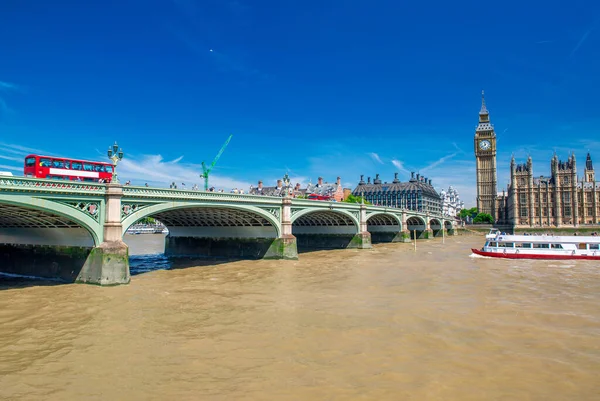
(60, 168)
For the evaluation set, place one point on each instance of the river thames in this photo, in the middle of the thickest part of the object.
(380, 324)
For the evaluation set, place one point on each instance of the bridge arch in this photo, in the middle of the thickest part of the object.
(436, 227)
(321, 217)
(383, 218)
(416, 226)
(16, 215)
(228, 215)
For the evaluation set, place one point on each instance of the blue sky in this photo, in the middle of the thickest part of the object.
(315, 88)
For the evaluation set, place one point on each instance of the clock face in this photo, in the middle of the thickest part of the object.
(484, 145)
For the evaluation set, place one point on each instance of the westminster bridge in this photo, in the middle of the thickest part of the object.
(74, 230)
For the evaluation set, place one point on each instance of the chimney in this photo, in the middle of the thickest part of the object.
(279, 184)
(339, 181)
(396, 180)
(429, 182)
(418, 177)
(368, 180)
(320, 181)
(260, 185)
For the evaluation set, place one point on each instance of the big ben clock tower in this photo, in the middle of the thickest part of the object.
(485, 156)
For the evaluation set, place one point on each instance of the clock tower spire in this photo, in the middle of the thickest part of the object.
(485, 157)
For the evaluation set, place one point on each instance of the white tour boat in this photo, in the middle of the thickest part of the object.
(509, 246)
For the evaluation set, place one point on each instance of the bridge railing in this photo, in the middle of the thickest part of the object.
(23, 184)
(171, 193)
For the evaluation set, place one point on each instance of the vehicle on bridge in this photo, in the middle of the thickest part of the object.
(60, 168)
(319, 197)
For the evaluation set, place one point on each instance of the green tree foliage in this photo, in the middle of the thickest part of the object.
(147, 220)
(356, 199)
(483, 218)
(464, 213)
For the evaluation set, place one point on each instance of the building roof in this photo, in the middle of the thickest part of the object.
(413, 185)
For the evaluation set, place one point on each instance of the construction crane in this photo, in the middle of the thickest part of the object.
(206, 170)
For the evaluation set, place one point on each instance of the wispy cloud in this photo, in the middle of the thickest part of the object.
(400, 166)
(581, 40)
(4, 88)
(441, 160)
(376, 157)
(153, 169)
(539, 42)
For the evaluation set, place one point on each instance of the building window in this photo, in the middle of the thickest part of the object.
(522, 181)
(522, 198)
(588, 197)
(537, 198)
(566, 197)
(523, 211)
(590, 211)
(545, 198)
(567, 211)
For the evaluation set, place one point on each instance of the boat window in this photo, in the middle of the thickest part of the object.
(526, 245)
(494, 244)
(545, 246)
(582, 246)
(557, 246)
(595, 246)
(509, 244)
(30, 162)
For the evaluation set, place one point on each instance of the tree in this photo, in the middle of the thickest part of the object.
(483, 218)
(464, 213)
(356, 199)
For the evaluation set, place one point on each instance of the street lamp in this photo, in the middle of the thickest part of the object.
(115, 155)
(287, 184)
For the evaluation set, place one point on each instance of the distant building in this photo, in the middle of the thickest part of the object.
(333, 190)
(284, 187)
(416, 194)
(451, 203)
(561, 199)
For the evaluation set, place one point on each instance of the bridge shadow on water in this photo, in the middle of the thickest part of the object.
(140, 264)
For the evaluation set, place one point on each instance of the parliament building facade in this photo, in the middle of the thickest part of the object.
(562, 199)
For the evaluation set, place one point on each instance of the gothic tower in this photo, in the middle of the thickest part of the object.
(485, 156)
(588, 173)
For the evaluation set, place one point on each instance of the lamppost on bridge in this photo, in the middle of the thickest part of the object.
(115, 155)
(287, 184)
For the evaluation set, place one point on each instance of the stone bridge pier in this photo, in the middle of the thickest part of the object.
(108, 263)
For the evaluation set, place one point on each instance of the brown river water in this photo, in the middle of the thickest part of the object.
(380, 324)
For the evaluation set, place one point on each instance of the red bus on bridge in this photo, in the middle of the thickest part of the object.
(60, 168)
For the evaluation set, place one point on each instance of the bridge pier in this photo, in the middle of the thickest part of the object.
(108, 263)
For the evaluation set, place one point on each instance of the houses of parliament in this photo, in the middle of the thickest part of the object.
(562, 199)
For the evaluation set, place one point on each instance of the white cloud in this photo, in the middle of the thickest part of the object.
(400, 166)
(152, 169)
(438, 162)
(375, 157)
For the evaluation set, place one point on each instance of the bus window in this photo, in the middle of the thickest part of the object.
(45, 162)
(58, 164)
(30, 162)
(88, 167)
(109, 169)
(97, 168)
(76, 166)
